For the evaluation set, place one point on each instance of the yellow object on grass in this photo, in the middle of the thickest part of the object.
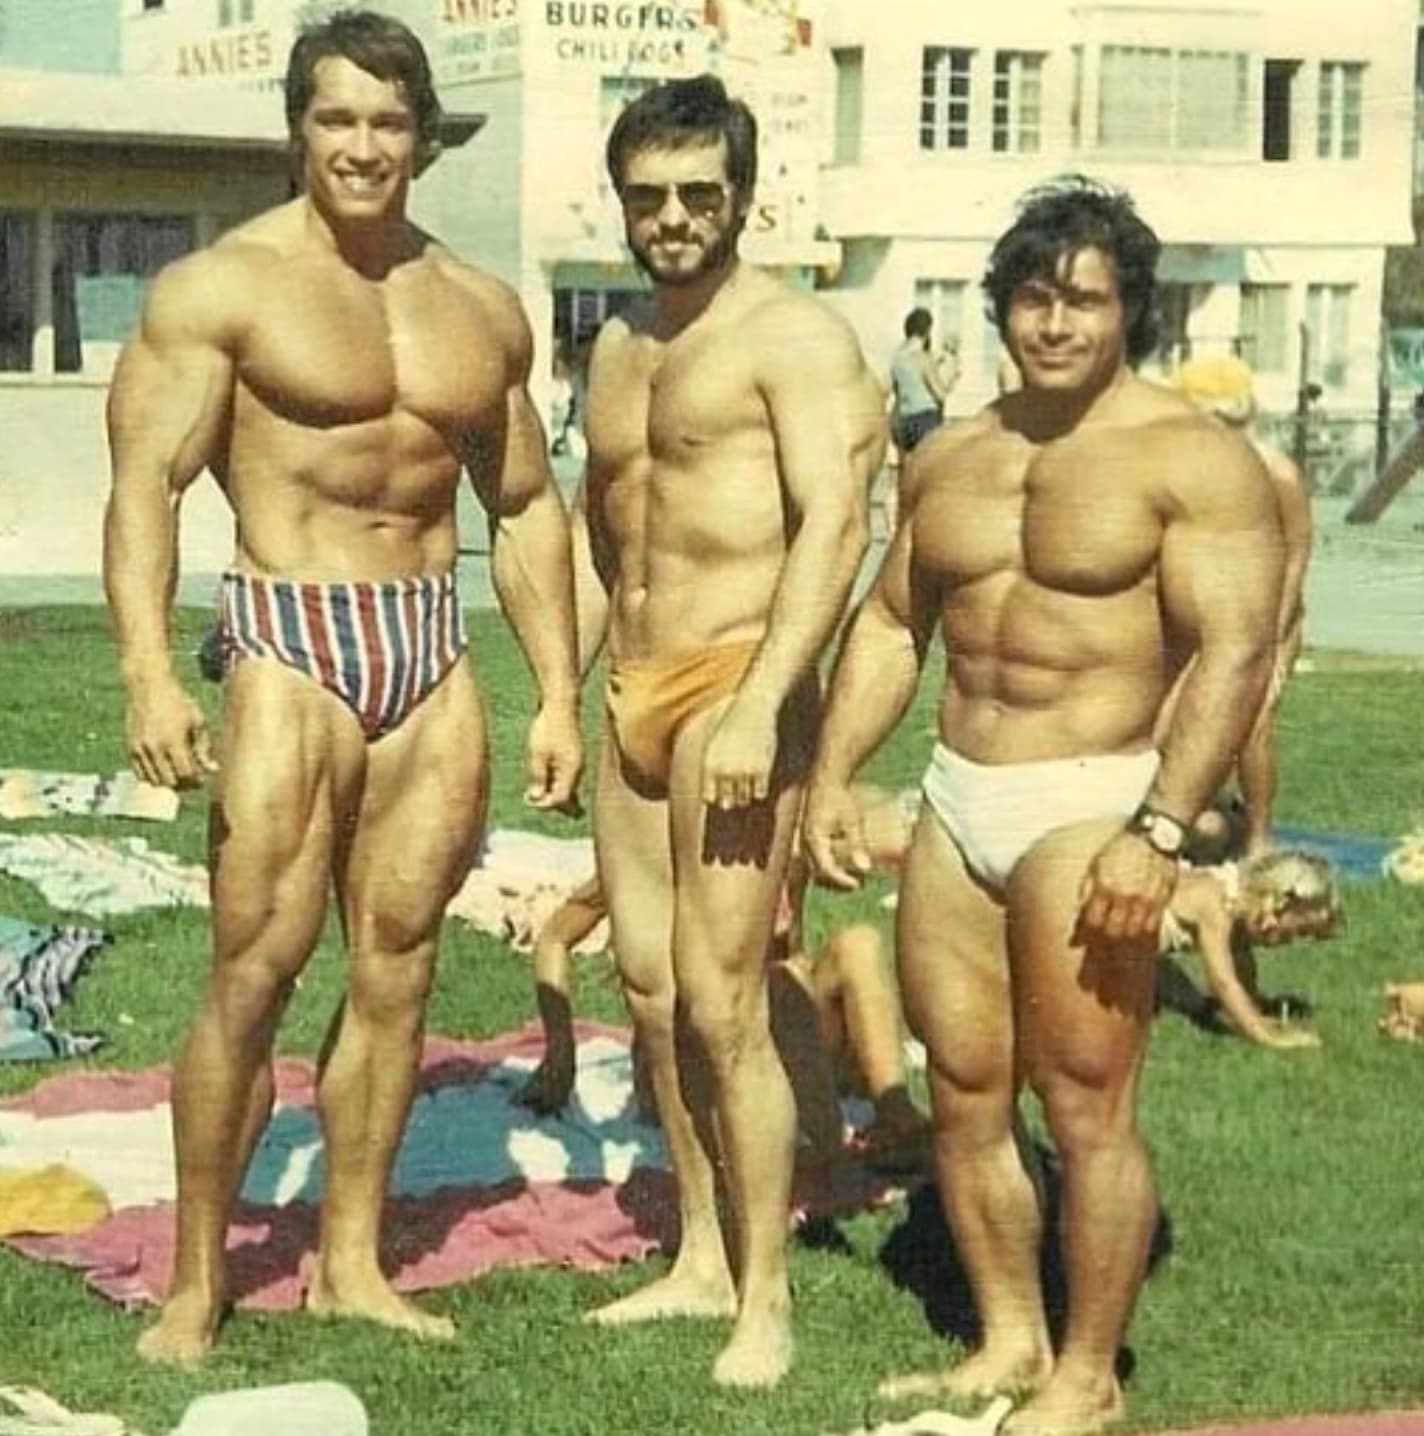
(54, 1200)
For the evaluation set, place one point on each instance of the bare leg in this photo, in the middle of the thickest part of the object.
(730, 869)
(635, 862)
(955, 980)
(1256, 772)
(415, 834)
(1083, 1018)
(853, 972)
(860, 1003)
(288, 762)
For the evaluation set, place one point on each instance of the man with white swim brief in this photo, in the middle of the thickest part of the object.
(1078, 545)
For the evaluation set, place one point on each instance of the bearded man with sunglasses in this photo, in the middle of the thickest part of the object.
(733, 430)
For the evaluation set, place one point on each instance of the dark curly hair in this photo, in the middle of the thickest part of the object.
(687, 112)
(1058, 219)
(381, 46)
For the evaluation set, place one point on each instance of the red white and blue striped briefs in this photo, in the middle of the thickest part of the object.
(381, 648)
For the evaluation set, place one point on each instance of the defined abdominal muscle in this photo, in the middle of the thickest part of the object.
(1028, 715)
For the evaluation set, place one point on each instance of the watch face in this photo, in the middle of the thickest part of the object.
(1162, 832)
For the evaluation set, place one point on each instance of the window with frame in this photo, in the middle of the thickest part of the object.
(944, 98)
(1154, 98)
(850, 103)
(580, 313)
(102, 264)
(1263, 338)
(944, 298)
(1018, 101)
(1327, 325)
(1339, 110)
(17, 291)
(1175, 303)
(1278, 109)
(234, 12)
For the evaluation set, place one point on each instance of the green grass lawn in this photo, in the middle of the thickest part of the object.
(1292, 1184)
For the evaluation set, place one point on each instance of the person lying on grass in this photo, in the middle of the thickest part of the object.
(1226, 910)
(835, 1012)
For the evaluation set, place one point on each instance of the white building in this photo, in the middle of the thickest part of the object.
(1268, 142)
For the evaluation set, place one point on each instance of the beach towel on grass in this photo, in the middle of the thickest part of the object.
(39, 967)
(518, 880)
(26, 793)
(102, 877)
(479, 1181)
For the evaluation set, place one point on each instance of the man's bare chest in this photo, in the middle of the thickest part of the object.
(682, 404)
(351, 352)
(1076, 522)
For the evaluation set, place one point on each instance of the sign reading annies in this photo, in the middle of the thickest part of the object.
(476, 40)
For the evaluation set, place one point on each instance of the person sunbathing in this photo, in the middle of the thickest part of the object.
(1225, 911)
(835, 1011)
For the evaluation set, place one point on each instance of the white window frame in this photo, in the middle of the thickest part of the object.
(1165, 100)
(946, 97)
(1327, 321)
(944, 298)
(1017, 126)
(1265, 346)
(1339, 110)
(848, 113)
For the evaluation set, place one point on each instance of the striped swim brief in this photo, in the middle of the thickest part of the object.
(381, 648)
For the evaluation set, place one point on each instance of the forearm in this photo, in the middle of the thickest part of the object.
(533, 580)
(810, 598)
(875, 679)
(140, 574)
(1237, 1005)
(1213, 715)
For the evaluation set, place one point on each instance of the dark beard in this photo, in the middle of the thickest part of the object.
(716, 256)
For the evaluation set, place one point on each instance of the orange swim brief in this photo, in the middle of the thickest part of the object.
(648, 701)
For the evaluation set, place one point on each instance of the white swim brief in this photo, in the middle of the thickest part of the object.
(995, 812)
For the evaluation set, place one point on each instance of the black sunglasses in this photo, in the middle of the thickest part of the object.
(695, 196)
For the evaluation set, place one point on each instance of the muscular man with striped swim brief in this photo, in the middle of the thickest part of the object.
(336, 369)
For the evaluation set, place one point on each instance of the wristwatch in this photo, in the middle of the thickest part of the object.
(1162, 831)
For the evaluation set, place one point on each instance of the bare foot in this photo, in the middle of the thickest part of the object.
(1065, 1408)
(183, 1334)
(676, 1294)
(985, 1373)
(759, 1353)
(376, 1301)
